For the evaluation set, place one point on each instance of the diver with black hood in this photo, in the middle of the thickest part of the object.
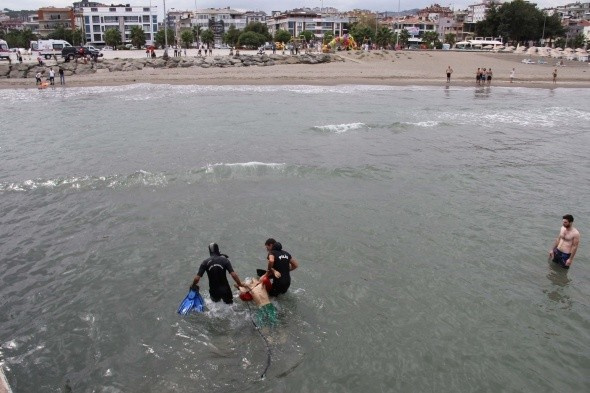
(216, 266)
(281, 261)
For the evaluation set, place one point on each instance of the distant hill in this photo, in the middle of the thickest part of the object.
(413, 11)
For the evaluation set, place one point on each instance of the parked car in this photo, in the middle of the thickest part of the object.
(74, 52)
(106, 48)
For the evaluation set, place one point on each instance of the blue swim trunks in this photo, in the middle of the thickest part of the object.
(266, 315)
(560, 258)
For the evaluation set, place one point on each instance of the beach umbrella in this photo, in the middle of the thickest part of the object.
(488, 47)
(568, 50)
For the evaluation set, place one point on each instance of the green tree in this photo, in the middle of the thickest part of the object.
(259, 28)
(578, 41)
(251, 39)
(560, 43)
(208, 37)
(187, 37)
(489, 26)
(231, 36)
(552, 27)
(77, 37)
(328, 36)
(362, 33)
(160, 37)
(307, 35)
(197, 32)
(450, 38)
(430, 38)
(137, 36)
(282, 36)
(112, 37)
(19, 39)
(384, 37)
(404, 37)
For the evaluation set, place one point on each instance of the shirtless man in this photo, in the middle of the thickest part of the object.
(257, 290)
(565, 246)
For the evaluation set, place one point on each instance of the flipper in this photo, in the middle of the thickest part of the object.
(260, 272)
(192, 301)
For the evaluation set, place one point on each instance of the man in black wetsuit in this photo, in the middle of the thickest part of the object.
(216, 266)
(281, 261)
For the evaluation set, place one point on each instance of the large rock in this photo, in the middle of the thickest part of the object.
(4, 70)
(85, 69)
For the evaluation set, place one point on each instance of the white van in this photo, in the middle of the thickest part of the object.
(49, 48)
(4, 51)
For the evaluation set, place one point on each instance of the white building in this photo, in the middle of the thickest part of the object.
(477, 12)
(97, 20)
(300, 20)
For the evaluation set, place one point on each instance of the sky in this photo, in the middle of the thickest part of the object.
(271, 5)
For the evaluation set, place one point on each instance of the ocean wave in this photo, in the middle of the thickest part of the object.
(209, 173)
(341, 128)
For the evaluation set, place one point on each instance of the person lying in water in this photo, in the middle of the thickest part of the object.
(257, 290)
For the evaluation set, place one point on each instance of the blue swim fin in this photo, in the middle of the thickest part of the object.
(192, 302)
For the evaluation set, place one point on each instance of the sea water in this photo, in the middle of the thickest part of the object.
(421, 218)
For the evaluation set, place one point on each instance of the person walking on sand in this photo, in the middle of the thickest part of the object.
(449, 72)
(555, 75)
(51, 76)
(512, 75)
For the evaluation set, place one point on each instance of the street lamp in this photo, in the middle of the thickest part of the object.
(165, 31)
(398, 29)
(543, 35)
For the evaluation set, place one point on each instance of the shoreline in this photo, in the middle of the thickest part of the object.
(388, 68)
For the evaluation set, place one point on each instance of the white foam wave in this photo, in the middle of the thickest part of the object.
(252, 164)
(425, 124)
(340, 128)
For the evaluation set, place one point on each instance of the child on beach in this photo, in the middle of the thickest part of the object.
(512, 75)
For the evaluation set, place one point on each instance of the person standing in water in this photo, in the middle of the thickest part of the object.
(281, 261)
(565, 246)
(216, 266)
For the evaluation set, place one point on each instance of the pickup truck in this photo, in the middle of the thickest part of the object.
(73, 52)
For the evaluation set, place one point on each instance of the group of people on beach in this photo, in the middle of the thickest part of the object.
(483, 76)
(275, 280)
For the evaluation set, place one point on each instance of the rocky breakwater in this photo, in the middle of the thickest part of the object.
(122, 65)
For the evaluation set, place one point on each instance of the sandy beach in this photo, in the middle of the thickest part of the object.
(357, 67)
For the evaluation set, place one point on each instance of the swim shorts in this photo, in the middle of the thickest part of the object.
(266, 315)
(560, 258)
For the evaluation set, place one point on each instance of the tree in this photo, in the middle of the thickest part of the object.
(231, 36)
(251, 39)
(430, 38)
(519, 21)
(187, 38)
(404, 37)
(552, 27)
(328, 36)
(112, 37)
(307, 35)
(260, 28)
(137, 36)
(208, 37)
(384, 37)
(578, 41)
(197, 32)
(160, 37)
(77, 37)
(450, 38)
(362, 33)
(282, 36)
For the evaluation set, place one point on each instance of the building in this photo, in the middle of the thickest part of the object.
(50, 18)
(99, 19)
(574, 11)
(219, 20)
(416, 27)
(477, 12)
(299, 20)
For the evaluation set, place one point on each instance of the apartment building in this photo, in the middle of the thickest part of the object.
(50, 18)
(300, 20)
(99, 19)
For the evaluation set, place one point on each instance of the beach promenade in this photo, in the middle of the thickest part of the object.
(358, 67)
